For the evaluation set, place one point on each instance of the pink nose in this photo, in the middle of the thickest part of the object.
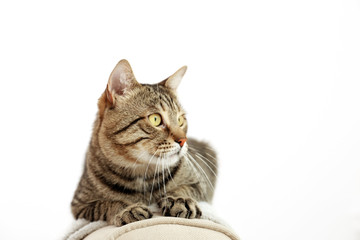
(182, 141)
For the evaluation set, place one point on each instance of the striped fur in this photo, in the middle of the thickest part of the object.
(131, 164)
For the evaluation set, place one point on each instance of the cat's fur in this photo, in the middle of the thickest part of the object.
(131, 164)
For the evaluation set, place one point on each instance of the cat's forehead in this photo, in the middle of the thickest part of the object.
(148, 99)
(163, 96)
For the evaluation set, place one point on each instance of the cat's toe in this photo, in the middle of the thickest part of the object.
(131, 214)
(180, 207)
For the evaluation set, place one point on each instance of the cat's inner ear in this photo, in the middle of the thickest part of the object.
(121, 80)
(174, 80)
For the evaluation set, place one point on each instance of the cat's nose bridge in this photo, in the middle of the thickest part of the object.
(179, 136)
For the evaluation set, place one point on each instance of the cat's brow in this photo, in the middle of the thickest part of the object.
(169, 101)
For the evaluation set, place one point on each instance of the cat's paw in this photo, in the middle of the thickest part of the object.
(179, 207)
(131, 214)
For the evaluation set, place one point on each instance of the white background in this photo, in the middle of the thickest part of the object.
(273, 85)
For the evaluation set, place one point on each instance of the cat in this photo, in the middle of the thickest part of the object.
(139, 155)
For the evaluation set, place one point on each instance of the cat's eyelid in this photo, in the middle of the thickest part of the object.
(183, 116)
(182, 113)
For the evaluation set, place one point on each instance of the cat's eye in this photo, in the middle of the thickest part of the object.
(155, 119)
(181, 120)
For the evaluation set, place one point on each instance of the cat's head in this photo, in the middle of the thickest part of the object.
(141, 123)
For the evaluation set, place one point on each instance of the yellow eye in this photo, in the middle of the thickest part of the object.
(155, 119)
(181, 120)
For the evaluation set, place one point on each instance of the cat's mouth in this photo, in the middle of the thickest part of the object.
(168, 154)
(172, 152)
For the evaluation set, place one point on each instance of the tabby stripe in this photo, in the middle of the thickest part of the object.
(178, 107)
(80, 213)
(111, 169)
(171, 101)
(132, 123)
(85, 185)
(135, 142)
(92, 213)
(162, 106)
(96, 210)
(113, 186)
(166, 100)
(105, 214)
(144, 130)
(132, 214)
(78, 200)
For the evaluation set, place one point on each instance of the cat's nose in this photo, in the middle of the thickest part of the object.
(181, 141)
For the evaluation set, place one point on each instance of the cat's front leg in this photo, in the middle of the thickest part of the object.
(132, 213)
(184, 207)
(114, 212)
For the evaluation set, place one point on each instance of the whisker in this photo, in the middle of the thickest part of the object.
(206, 147)
(152, 186)
(198, 150)
(158, 173)
(211, 156)
(198, 173)
(202, 170)
(206, 164)
(134, 165)
(163, 175)
(147, 167)
(206, 160)
(168, 168)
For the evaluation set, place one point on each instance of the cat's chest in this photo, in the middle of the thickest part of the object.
(139, 181)
(153, 183)
(145, 184)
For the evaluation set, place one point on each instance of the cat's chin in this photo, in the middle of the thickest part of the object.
(170, 160)
(167, 159)
(173, 158)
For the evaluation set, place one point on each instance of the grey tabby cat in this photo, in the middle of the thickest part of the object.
(139, 155)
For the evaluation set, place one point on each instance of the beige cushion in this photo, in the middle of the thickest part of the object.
(165, 228)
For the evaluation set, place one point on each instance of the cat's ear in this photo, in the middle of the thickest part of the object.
(121, 81)
(174, 80)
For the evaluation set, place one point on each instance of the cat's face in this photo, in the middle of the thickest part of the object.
(141, 124)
